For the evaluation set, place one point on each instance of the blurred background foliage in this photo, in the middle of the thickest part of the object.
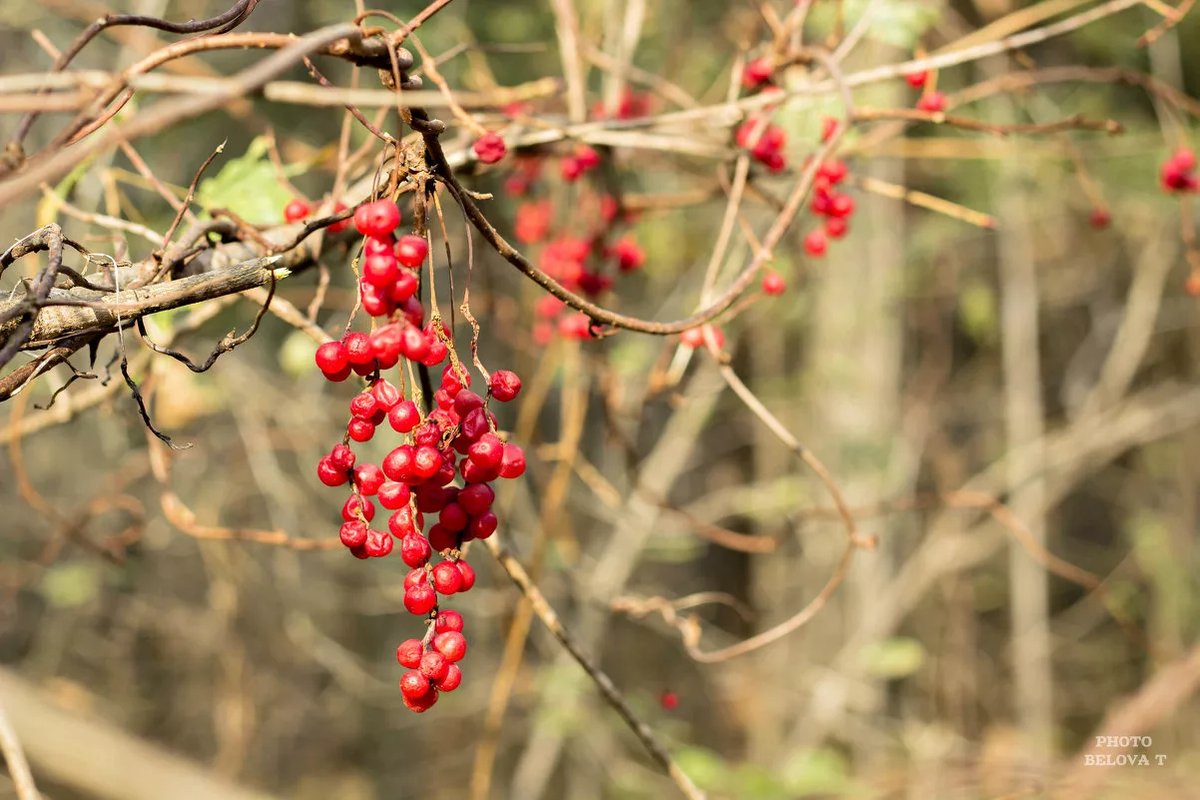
(274, 667)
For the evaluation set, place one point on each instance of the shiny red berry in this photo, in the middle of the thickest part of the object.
(378, 218)
(296, 210)
(411, 250)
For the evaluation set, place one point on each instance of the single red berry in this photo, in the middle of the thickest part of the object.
(332, 357)
(668, 700)
(386, 393)
(441, 539)
(394, 495)
(453, 518)
(364, 405)
(451, 644)
(757, 72)
(397, 465)
(1184, 159)
(483, 526)
(773, 284)
(361, 430)
(342, 457)
(468, 575)
(381, 271)
(368, 478)
(451, 681)
(434, 665)
(353, 534)
(329, 474)
(841, 205)
(490, 148)
(449, 621)
(1100, 218)
(488, 451)
(352, 506)
(409, 653)
(446, 578)
(423, 703)
(932, 102)
(467, 401)
(342, 224)
(512, 465)
(917, 78)
(378, 218)
(630, 255)
(815, 244)
(414, 550)
(828, 128)
(505, 385)
(478, 497)
(414, 684)
(358, 349)
(694, 337)
(833, 171)
(836, 227)
(404, 416)
(415, 577)
(411, 250)
(379, 544)
(296, 210)
(426, 461)
(587, 157)
(406, 522)
(420, 600)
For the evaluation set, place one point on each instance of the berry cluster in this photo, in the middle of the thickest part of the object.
(298, 210)
(765, 141)
(457, 439)
(1178, 173)
(585, 264)
(931, 99)
(827, 202)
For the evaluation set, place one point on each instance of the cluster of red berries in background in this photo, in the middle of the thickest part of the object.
(586, 262)
(1178, 173)
(298, 210)
(764, 140)
(458, 439)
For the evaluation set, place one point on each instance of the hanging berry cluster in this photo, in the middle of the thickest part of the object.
(457, 440)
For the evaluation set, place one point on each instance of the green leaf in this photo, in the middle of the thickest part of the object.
(247, 186)
(894, 658)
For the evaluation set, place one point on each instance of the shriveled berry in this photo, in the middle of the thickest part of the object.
(451, 644)
(409, 653)
(353, 534)
(415, 577)
(446, 578)
(505, 385)
(353, 504)
(342, 457)
(363, 405)
(405, 521)
(420, 600)
(423, 703)
(379, 543)
(411, 250)
(386, 394)
(414, 550)
(361, 430)
(378, 218)
(434, 665)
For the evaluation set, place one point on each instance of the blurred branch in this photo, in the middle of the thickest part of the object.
(14, 759)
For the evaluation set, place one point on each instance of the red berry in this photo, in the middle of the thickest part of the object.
(841, 205)
(932, 102)
(467, 401)
(381, 271)
(379, 544)
(815, 244)
(364, 405)
(434, 665)
(386, 394)
(296, 211)
(378, 246)
(478, 497)
(828, 128)
(342, 224)
(353, 534)
(409, 653)
(405, 522)
(369, 479)
(411, 250)
(397, 465)
(361, 430)
(1192, 284)
(836, 227)
(773, 284)
(833, 171)
(1184, 159)
(420, 600)
(404, 416)
(332, 357)
(453, 518)
(668, 700)
(452, 679)
(490, 148)
(1100, 218)
(423, 703)
(512, 465)
(404, 288)
(468, 575)
(358, 349)
(415, 577)
(329, 473)
(414, 684)
(917, 78)
(394, 495)
(757, 72)
(378, 218)
(487, 452)
(414, 550)
(630, 255)
(441, 539)
(505, 385)
(446, 578)
(483, 526)
(426, 461)
(451, 644)
(449, 621)
(342, 457)
(352, 506)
